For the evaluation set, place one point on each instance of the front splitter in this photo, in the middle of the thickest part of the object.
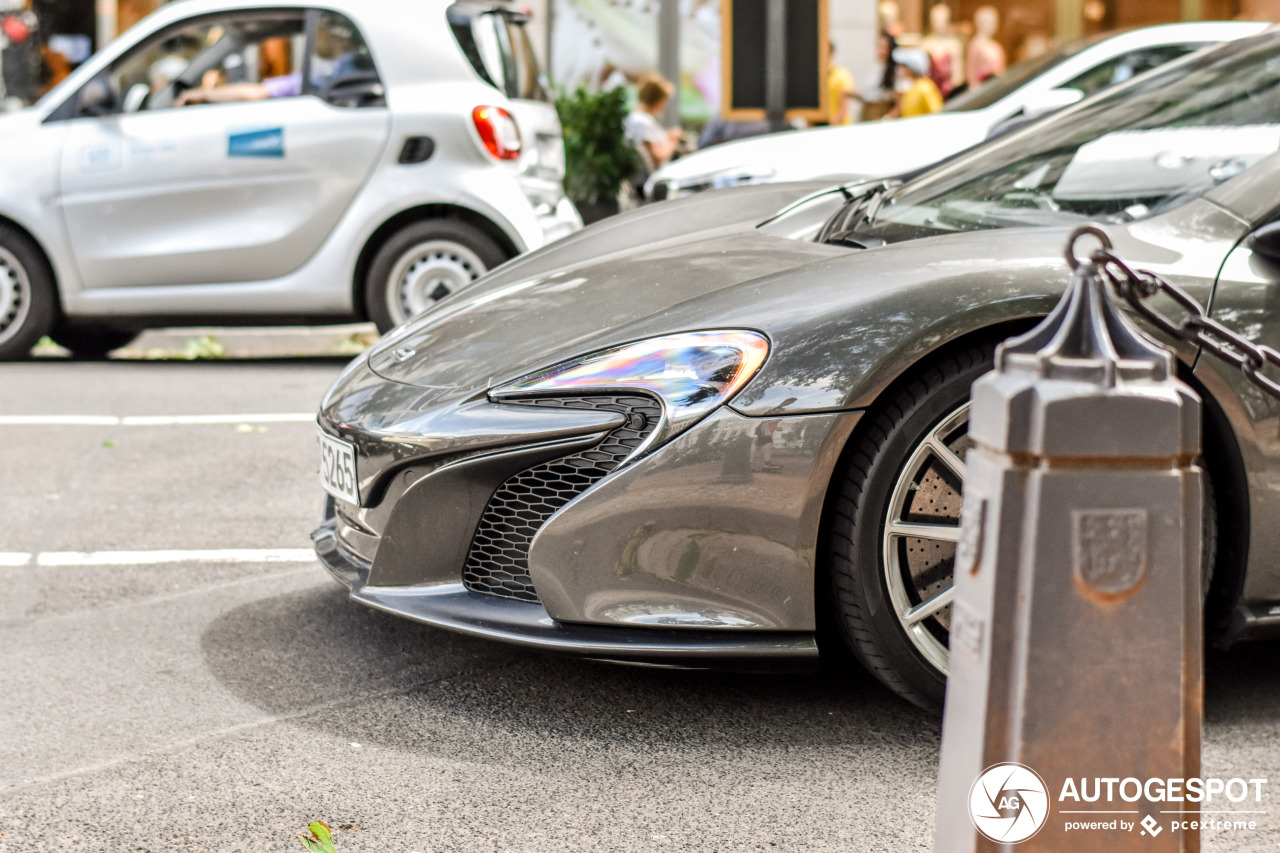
(453, 607)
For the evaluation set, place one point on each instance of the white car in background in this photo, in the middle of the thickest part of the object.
(885, 148)
(235, 162)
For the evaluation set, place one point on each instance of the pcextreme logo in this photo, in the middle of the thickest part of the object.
(1009, 803)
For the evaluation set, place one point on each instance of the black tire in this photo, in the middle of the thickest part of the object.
(885, 442)
(28, 296)
(887, 437)
(453, 254)
(90, 342)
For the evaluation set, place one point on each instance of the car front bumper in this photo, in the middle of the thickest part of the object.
(697, 551)
(453, 607)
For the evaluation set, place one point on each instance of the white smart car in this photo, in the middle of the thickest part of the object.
(231, 162)
(881, 149)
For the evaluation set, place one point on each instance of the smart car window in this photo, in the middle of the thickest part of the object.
(1148, 147)
(342, 70)
(205, 54)
(528, 76)
(495, 42)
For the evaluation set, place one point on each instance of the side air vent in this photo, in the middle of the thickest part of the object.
(498, 563)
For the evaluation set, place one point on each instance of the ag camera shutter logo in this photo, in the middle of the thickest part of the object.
(1008, 803)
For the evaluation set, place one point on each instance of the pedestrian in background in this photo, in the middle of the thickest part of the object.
(643, 127)
(840, 91)
(919, 94)
(878, 101)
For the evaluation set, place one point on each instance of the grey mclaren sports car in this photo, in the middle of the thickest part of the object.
(705, 432)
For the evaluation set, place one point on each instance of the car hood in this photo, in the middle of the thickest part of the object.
(870, 150)
(834, 316)
(575, 296)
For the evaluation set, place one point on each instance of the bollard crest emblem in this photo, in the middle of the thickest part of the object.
(1109, 548)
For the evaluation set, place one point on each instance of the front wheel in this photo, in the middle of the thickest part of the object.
(28, 300)
(897, 521)
(894, 532)
(423, 263)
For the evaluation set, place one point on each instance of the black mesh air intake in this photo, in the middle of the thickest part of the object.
(498, 563)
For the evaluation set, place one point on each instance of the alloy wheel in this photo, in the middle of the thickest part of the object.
(921, 528)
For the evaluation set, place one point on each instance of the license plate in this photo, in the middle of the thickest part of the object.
(338, 468)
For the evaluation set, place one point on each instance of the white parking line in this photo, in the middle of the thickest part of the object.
(58, 420)
(154, 420)
(141, 558)
(180, 420)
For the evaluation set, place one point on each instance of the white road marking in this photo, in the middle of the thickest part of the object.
(14, 559)
(140, 558)
(58, 420)
(154, 420)
(182, 420)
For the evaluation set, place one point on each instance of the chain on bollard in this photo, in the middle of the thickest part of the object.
(1075, 630)
(1197, 327)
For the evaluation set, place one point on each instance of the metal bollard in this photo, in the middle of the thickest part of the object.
(1076, 623)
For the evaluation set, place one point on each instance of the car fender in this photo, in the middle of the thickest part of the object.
(458, 171)
(495, 198)
(32, 153)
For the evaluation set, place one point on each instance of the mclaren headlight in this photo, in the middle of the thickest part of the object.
(691, 373)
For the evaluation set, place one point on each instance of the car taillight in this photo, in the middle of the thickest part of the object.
(498, 132)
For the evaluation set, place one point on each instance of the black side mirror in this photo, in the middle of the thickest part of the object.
(97, 98)
(1266, 241)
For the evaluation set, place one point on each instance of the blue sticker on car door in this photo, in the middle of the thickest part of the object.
(268, 142)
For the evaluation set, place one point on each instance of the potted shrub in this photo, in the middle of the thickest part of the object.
(597, 156)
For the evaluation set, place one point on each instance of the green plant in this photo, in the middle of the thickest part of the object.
(321, 838)
(597, 156)
(357, 342)
(205, 346)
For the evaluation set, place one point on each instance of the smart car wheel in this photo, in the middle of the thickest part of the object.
(896, 524)
(90, 342)
(422, 264)
(27, 296)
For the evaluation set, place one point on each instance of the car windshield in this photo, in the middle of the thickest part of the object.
(1150, 146)
(1016, 77)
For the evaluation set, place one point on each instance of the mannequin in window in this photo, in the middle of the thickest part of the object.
(946, 54)
(985, 56)
(890, 18)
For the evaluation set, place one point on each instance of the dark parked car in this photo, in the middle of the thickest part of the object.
(684, 437)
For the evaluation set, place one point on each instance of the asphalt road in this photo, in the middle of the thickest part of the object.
(220, 701)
